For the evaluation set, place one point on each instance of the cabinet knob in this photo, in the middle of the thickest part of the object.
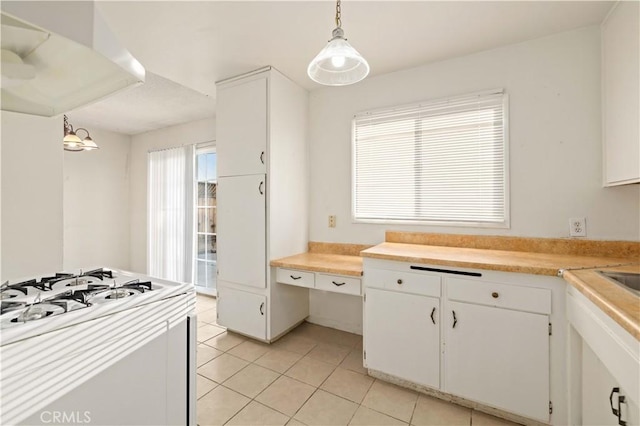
(495, 295)
(399, 281)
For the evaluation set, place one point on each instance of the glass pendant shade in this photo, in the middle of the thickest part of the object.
(89, 144)
(338, 64)
(72, 142)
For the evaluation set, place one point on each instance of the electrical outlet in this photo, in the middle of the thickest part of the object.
(332, 221)
(578, 227)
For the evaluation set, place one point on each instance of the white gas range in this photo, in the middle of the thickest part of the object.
(101, 346)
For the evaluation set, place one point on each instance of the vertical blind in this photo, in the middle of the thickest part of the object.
(170, 214)
(440, 161)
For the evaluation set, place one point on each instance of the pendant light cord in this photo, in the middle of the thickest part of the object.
(338, 21)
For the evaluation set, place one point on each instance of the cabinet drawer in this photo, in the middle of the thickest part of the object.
(338, 284)
(425, 284)
(294, 277)
(528, 299)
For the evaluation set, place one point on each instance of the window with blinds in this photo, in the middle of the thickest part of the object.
(438, 162)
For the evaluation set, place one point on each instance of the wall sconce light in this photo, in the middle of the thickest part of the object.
(72, 142)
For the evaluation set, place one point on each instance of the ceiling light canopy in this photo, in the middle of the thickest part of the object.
(72, 142)
(338, 64)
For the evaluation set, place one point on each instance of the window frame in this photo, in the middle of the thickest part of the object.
(506, 224)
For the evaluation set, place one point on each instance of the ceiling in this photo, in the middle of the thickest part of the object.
(157, 103)
(195, 44)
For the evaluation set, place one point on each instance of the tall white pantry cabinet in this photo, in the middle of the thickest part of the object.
(261, 144)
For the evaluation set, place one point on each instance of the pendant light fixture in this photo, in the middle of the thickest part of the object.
(72, 142)
(338, 64)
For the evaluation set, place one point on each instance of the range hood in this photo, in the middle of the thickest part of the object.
(57, 56)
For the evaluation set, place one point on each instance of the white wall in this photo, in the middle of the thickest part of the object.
(184, 134)
(555, 139)
(96, 203)
(31, 195)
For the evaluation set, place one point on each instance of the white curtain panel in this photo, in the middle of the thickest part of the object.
(170, 214)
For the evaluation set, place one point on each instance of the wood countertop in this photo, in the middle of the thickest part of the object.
(497, 260)
(579, 271)
(620, 304)
(322, 262)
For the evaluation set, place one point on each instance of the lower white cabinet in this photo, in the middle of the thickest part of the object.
(604, 366)
(484, 336)
(499, 357)
(602, 394)
(403, 335)
(244, 311)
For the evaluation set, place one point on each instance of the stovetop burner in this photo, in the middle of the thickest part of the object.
(48, 296)
(63, 279)
(128, 289)
(6, 306)
(38, 311)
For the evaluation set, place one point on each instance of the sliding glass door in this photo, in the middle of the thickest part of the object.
(205, 205)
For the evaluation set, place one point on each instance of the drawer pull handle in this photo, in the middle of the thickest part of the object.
(495, 295)
(295, 278)
(260, 188)
(338, 284)
(455, 320)
(433, 311)
(262, 308)
(399, 282)
(262, 157)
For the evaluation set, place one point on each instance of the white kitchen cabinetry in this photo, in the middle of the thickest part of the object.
(603, 356)
(262, 208)
(601, 394)
(242, 127)
(403, 335)
(245, 310)
(295, 277)
(338, 284)
(315, 280)
(620, 88)
(499, 357)
(485, 336)
(241, 239)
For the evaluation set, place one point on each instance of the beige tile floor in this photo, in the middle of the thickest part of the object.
(311, 376)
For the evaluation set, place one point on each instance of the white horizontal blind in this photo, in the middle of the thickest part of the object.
(442, 161)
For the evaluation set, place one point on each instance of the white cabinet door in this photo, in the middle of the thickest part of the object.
(620, 102)
(241, 134)
(242, 311)
(498, 357)
(400, 337)
(241, 230)
(598, 401)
